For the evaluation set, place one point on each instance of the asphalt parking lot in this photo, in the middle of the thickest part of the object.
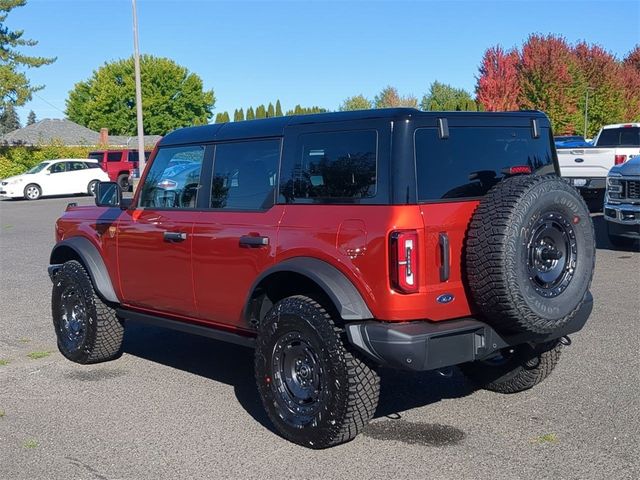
(177, 406)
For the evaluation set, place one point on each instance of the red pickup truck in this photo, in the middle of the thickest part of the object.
(118, 164)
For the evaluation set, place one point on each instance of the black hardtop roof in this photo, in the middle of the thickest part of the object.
(274, 127)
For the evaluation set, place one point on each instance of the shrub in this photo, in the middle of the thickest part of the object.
(15, 160)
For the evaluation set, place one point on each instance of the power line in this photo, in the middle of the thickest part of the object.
(49, 103)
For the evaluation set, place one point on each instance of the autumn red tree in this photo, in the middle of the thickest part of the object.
(633, 58)
(498, 88)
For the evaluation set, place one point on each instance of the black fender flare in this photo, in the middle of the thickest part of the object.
(91, 259)
(344, 295)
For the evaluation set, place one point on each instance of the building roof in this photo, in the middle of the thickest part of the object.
(50, 130)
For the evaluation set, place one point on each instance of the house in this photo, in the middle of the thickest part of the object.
(62, 130)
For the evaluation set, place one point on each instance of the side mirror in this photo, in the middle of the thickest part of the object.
(108, 194)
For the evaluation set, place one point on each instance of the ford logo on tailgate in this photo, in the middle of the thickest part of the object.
(445, 298)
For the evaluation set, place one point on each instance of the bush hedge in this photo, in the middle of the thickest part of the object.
(15, 160)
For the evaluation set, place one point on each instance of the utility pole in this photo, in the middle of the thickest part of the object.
(586, 112)
(136, 63)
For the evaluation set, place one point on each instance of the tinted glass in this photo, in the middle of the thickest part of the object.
(471, 160)
(72, 166)
(332, 167)
(37, 168)
(92, 165)
(244, 175)
(114, 156)
(58, 167)
(620, 137)
(133, 156)
(174, 178)
(96, 156)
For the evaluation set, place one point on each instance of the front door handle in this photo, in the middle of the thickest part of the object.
(174, 236)
(253, 241)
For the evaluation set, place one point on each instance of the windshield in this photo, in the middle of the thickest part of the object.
(37, 168)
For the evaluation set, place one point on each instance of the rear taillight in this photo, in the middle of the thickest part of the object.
(403, 252)
(619, 159)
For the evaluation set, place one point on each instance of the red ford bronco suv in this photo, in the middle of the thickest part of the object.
(336, 244)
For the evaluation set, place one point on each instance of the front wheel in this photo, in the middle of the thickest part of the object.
(32, 192)
(516, 368)
(316, 392)
(123, 181)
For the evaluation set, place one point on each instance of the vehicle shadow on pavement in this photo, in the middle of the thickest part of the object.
(602, 239)
(233, 365)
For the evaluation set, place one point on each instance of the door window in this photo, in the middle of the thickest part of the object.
(73, 166)
(114, 156)
(244, 175)
(174, 178)
(58, 167)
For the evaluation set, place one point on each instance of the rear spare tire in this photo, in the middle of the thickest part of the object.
(530, 254)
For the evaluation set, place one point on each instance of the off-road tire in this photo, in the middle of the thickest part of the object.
(102, 333)
(520, 370)
(500, 254)
(123, 181)
(349, 388)
(32, 192)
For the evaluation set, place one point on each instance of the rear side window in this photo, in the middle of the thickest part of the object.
(174, 178)
(96, 156)
(76, 166)
(133, 155)
(114, 156)
(332, 167)
(244, 175)
(620, 137)
(472, 159)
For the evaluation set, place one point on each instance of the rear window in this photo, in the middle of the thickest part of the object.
(471, 160)
(619, 137)
(332, 167)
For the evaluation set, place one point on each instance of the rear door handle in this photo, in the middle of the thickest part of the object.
(445, 257)
(253, 241)
(174, 236)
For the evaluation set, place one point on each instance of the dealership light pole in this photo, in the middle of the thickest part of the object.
(136, 63)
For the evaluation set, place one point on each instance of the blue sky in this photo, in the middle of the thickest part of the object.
(313, 53)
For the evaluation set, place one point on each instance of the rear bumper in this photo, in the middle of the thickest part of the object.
(588, 183)
(423, 345)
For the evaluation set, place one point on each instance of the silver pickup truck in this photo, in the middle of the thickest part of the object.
(587, 167)
(622, 204)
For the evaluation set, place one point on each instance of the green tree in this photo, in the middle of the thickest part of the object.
(250, 114)
(357, 102)
(172, 97)
(300, 110)
(271, 112)
(278, 109)
(240, 115)
(389, 97)
(222, 117)
(9, 120)
(443, 97)
(31, 118)
(15, 88)
(261, 112)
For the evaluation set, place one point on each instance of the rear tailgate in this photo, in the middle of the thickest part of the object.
(589, 162)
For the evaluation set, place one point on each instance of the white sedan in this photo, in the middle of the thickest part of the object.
(65, 176)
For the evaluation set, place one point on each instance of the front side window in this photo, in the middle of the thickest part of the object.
(58, 167)
(174, 178)
(473, 159)
(244, 175)
(332, 167)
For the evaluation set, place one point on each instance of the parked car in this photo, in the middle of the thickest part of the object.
(65, 176)
(622, 203)
(587, 167)
(571, 141)
(336, 244)
(119, 164)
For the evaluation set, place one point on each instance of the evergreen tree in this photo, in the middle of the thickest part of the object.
(250, 114)
(222, 117)
(240, 115)
(271, 111)
(236, 116)
(278, 109)
(31, 119)
(261, 112)
(9, 120)
(15, 88)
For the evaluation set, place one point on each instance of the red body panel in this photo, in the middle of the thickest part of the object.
(114, 169)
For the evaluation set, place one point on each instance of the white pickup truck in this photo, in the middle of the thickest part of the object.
(586, 167)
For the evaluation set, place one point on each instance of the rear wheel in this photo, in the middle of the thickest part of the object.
(91, 188)
(123, 181)
(316, 392)
(32, 192)
(87, 329)
(516, 368)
